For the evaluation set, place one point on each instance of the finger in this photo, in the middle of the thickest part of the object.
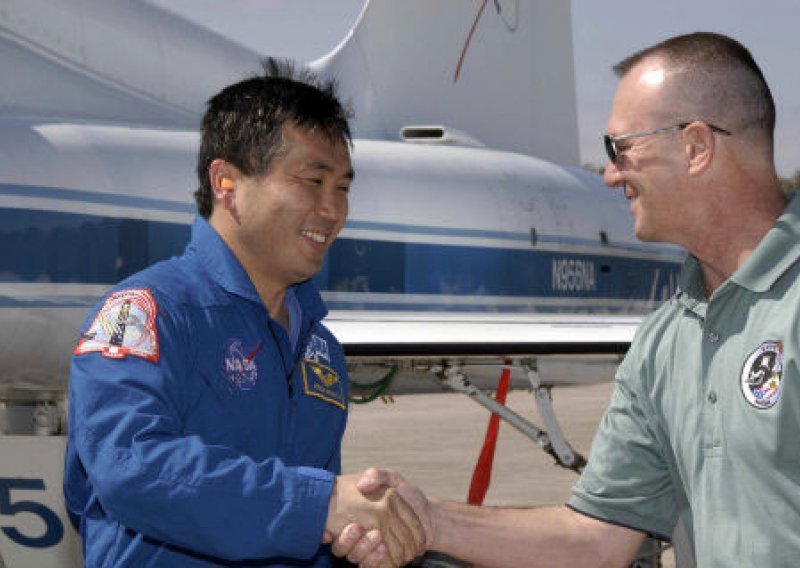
(378, 558)
(419, 505)
(394, 536)
(347, 539)
(366, 546)
(399, 536)
(394, 549)
(411, 526)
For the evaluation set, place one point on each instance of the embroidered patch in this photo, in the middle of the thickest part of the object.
(317, 349)
(239, 365)
(322, 382)
(762, 375)
(125, 325)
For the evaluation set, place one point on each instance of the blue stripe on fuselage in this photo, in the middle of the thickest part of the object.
(96, 197)
(59, 247)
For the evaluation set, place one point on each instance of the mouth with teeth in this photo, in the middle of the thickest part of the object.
(315, 236)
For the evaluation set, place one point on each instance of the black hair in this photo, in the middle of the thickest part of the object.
(243, 123)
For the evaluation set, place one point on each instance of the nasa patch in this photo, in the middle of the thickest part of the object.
(239, 365)
(762, 375)
(125, 325)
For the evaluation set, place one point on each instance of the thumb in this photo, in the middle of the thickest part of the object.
(373, 479)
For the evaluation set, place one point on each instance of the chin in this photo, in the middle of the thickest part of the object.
(307, 272)
(643, 234)
(648, 235)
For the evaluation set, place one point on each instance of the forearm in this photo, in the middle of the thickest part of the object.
(554, 536)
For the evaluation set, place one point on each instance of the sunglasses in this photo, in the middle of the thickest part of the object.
(611, 141)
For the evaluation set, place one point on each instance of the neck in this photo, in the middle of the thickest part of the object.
(271, 291)
(271, 287)
(729, 235)
(276, 306)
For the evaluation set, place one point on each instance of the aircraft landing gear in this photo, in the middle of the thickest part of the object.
(551, 440)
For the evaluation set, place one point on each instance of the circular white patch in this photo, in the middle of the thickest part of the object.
(762, 374)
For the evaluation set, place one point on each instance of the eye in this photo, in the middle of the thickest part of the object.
(623, 147)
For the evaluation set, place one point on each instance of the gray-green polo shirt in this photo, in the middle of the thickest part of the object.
(704, 421)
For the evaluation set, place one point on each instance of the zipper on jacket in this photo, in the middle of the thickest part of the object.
(287, 373)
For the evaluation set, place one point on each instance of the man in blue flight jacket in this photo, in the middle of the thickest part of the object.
(207, 401)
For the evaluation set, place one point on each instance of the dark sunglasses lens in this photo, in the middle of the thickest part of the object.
(610, 149)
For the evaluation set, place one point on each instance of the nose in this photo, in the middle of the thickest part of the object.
(611, 175)
(332, 204)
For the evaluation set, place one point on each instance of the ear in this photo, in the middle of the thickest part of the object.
(223, 177)
(699, 147)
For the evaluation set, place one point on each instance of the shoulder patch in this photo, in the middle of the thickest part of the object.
(317, 349)
(125, 325)
(323, 382)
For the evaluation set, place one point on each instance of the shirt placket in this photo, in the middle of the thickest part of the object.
(712, 342)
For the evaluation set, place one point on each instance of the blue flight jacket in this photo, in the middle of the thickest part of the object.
(197, 435)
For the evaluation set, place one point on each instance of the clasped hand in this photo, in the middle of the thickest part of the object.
(377, 519)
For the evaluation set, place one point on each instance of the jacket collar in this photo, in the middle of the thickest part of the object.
(226, 270)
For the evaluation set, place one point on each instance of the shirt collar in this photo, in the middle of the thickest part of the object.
(220, 262)
(775, 254)
(691, 286)
(226, 270)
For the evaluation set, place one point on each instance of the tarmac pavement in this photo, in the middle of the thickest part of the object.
(434, 440)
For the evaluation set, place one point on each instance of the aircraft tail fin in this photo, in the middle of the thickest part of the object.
(499, 72)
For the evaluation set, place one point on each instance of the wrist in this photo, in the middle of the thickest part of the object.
(436, 514)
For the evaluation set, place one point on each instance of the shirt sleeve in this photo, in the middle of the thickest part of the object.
(627, 480)
(164, 484)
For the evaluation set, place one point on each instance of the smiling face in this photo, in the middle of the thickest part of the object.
(280, 224)
(649, 169)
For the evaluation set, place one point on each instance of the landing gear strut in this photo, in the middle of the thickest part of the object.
(551, 440)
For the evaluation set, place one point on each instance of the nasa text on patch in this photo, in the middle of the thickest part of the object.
(125, 325)
(239, 365)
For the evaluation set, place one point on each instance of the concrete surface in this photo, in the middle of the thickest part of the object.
(435, 439)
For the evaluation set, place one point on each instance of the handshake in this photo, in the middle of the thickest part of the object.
(378, 519)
